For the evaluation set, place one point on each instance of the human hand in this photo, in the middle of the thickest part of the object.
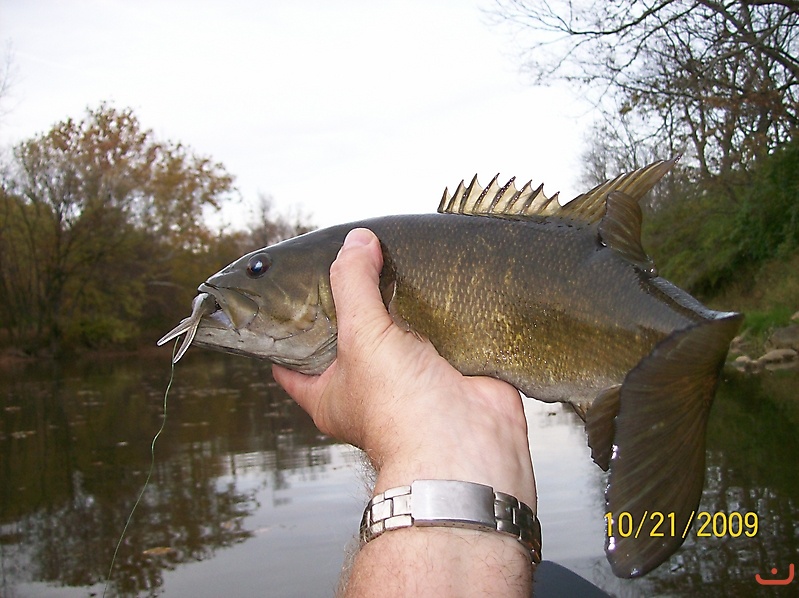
(391, 394)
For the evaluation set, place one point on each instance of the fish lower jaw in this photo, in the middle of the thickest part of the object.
(308, 358)
(217, 332)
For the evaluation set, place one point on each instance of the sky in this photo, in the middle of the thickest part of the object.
(338, 109)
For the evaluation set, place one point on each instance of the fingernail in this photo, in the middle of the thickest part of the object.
(358, 237)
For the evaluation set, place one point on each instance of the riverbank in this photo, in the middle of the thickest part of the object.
(11, 357)
(769, 298)
(779, 351)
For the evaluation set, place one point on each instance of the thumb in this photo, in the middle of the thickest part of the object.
(354, 280)
(354, 277)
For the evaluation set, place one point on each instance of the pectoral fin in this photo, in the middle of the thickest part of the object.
(658, 462)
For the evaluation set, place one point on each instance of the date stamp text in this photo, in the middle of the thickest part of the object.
(659, 524)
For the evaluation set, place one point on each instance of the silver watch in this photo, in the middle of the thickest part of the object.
(450, 503)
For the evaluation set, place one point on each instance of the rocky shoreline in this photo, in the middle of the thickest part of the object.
(781, 350)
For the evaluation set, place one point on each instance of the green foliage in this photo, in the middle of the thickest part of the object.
(760, 323)
(767, 223)
(707, 235)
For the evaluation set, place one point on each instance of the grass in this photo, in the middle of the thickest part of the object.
(759, 324)
(767, 297)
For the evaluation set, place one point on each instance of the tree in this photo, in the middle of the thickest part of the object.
(269, 227)
(6, 72)
(718, 81)
(91, 212)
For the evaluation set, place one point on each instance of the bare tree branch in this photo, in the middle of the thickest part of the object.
(720, 77)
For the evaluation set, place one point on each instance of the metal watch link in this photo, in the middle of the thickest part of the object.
(450, 503)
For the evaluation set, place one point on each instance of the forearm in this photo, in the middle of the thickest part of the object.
(435, 561)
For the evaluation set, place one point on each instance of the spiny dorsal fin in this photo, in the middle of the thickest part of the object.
(502, 202)
(509, 202)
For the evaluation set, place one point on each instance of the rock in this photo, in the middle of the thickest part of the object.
(785, 338)
(778, 356)
(795, 317)
(745, 363)
(740, 345)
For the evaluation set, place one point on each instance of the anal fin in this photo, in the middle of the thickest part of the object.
(658, 463)
(600, 425)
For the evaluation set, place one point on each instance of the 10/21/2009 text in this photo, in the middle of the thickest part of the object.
(710, 525)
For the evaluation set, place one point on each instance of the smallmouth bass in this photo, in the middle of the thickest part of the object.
(560, 301)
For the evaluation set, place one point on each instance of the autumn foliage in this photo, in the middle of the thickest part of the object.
(103, 235)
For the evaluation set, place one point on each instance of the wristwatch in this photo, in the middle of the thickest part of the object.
(451, 503)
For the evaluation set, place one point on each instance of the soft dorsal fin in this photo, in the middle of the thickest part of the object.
(509, 202)
(620, 229)
(590, 206)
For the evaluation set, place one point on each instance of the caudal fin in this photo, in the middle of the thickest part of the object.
(657, 465)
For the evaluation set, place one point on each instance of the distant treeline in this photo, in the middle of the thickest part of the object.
(103, 234)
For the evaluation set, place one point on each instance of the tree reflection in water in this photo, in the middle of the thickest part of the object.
(74, 453)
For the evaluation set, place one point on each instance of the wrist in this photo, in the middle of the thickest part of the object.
(504, 473)
(485, 447)
(434, 561)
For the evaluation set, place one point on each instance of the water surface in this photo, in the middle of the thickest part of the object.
(247, 498)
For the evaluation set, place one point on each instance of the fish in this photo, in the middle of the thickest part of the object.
(561, 301)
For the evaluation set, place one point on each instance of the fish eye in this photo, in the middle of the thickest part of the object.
(258, 265)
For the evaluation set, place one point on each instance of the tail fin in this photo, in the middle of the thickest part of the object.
(658, 463)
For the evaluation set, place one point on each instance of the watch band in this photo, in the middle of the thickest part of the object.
(450, 503)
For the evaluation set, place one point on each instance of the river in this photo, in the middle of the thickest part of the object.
(247, 498)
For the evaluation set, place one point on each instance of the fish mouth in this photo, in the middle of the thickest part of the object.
(233, 308)
(214, 307)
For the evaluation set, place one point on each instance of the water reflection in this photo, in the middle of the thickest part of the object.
(753, 460)
(247, 498)
(74, 453)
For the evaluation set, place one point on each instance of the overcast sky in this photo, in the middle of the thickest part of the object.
(344, 109)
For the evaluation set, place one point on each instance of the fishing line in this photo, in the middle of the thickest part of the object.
(149, 473)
